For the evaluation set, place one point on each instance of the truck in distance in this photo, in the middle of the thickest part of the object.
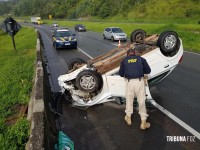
(36, 20)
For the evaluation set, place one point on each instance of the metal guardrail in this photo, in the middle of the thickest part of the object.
(50, 103)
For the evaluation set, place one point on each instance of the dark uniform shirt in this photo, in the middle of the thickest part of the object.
(133, 67)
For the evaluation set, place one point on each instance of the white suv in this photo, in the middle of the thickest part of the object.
(114, 33)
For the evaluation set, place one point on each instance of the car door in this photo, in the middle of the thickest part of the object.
(53, 36)
(106, 33)
(109, 33)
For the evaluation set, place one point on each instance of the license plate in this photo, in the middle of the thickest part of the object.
(67, 43)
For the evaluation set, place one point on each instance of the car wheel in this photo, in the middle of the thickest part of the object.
(104, 37)
(75, 47)
(88, 81)
(138, 35)
(55, 46)
(74, 62)
(112, 39)
(169, 43)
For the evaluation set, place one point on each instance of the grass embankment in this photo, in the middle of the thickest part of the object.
(16, 75)
(189, 33)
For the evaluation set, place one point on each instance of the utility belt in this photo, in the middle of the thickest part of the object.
(136, 79)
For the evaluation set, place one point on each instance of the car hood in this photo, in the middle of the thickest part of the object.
(81, 27)
(119, 34)
(69, 38)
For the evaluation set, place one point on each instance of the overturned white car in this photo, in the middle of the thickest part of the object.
(97, 81)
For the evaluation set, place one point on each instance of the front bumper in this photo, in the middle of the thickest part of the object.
(120, 38)
(81, 29)
(66, 44)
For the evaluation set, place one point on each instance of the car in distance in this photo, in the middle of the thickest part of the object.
(63, 38)
(114, 33)
(79, 27)
(54, 25)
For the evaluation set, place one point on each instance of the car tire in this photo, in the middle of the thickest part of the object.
(112, 39)
(138, 35)
(104, 37)
(74, 61)
(88, 81)
(169, 43)
(75, 47)
(56, 46)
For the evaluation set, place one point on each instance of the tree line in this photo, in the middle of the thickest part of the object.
(68, 8)
(74, 9)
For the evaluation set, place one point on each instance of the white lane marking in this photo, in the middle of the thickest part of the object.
(99, 39)
(177, 120)
(82, 34)
(85, 53)
(96, 32)
(115, 44)
(191, 53)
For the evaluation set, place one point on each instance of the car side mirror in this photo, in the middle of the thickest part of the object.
(74, 34)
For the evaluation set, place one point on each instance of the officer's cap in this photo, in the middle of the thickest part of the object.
(130, 51)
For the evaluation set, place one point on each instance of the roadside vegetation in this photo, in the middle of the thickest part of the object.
(16, 78)
(120, 10)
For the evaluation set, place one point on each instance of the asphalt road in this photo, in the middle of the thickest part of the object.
(102, 126)
(179, 93)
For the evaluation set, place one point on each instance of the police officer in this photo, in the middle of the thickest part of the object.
(133, 68)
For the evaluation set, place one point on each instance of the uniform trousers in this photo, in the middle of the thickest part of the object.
(136, 88)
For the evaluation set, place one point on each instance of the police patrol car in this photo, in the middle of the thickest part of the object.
(96, 81)
(63, 38)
